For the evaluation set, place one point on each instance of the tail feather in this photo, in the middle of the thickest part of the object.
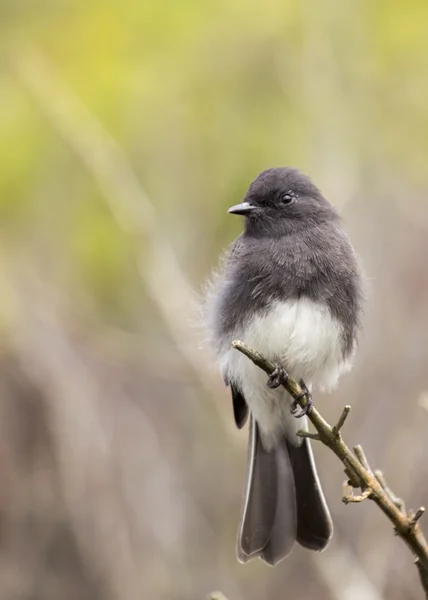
(283, 501)
(314, 524)
(268, 524)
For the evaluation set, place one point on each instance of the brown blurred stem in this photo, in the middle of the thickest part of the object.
(372, 485)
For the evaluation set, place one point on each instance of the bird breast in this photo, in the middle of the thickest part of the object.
(304, 337)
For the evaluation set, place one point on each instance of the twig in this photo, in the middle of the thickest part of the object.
(308, 434)
(358, 469)
(418, 514)
(340, 423)
(349, 496)
(359, 453)
(399, 503)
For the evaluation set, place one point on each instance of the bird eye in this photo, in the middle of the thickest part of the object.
(289, 197)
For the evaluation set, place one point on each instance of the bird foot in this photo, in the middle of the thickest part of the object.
(278, 377)
(295, 404)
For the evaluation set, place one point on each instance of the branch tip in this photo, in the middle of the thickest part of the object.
(415, 518)
(259, 360)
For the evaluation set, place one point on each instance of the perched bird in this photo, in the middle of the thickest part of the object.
(291, 288)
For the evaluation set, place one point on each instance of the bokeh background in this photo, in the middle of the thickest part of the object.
(126, 130)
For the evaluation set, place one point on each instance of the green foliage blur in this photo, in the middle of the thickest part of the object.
(202, 96)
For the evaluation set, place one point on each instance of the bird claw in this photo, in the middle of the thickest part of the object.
(295, 404)
(278, 377)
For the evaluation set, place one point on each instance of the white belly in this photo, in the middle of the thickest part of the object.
(304, 337)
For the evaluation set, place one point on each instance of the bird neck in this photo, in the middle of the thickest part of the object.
(273, 228)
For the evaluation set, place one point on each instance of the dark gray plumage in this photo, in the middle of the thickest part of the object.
(290, 287)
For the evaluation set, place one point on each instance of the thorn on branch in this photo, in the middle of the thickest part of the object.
(340, 423)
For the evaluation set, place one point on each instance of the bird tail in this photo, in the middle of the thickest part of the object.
(283, 501)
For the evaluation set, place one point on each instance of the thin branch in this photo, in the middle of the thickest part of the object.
(406, 526)
(359, 453)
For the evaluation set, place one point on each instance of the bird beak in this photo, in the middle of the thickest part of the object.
(241, 209)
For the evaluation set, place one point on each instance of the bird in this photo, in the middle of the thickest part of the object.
(292, 287)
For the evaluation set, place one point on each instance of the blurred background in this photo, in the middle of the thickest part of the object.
(127, 129)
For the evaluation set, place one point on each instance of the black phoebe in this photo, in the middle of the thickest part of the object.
(290, 287)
